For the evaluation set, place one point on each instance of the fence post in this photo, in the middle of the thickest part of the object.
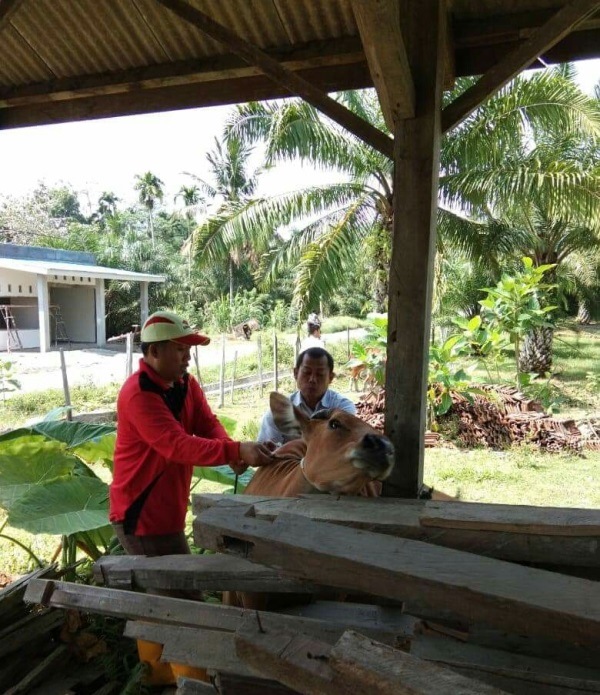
(275, 372)
(129, 355)
(348, 339)
(260, 364)
(63, 369)
(222, 375)
(233, 375)
(197, 365)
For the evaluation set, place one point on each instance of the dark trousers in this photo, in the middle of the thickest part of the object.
(167, 544)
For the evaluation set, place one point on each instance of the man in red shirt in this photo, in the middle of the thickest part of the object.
(165, 427)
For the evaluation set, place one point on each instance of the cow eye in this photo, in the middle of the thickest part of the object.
(334, 424)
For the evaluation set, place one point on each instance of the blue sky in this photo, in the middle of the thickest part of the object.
(94, 156)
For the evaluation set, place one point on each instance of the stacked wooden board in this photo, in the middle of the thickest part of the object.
(452, 597)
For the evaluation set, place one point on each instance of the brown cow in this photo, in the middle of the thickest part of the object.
(335, 452)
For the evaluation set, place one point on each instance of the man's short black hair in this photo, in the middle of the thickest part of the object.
(315, 353)
(146, 346)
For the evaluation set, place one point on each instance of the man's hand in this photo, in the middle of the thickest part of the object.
(255, 454)
(239, 467)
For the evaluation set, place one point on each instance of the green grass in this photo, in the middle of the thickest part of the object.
(521, 475)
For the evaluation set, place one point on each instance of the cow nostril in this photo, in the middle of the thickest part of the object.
(370, 441)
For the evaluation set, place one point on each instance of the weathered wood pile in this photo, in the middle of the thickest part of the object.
(454, 597)
(502, 417)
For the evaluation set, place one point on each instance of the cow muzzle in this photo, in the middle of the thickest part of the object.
(374, 456)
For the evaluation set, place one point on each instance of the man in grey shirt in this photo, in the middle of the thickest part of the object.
(313, 373)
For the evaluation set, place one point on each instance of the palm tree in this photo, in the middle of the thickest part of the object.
(336, 224)
(107, 207)
(150, 189)
(230, 190)
(191, 197)
(490, 164)
(521, 177)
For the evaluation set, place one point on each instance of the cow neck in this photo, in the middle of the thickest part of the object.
(296, 451)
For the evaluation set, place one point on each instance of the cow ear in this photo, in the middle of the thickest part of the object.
(287, 418)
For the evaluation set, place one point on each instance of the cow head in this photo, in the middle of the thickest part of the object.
(343, 453)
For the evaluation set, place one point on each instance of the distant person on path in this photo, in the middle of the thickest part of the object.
(165, 427)
(313, 374)
(313, 326)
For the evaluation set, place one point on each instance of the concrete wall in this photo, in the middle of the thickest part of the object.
(15, 283)
(29, 339)
(77, 306)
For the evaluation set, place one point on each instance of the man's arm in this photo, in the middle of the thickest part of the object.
(344, 403)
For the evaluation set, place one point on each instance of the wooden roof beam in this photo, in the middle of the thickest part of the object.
(549, 34)
(379, 26)
(346, 51)
(7, 8)
(292, 82)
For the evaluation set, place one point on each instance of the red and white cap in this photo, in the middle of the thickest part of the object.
(165, 325)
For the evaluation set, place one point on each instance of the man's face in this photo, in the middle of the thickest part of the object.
(313, 378)
(169, 360)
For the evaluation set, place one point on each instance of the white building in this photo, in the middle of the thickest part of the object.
(51, 294)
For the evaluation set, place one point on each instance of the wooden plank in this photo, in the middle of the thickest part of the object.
(230, 684)
(543, 38)
(416, 157)
(373, 667)
(213, 93)
(514, 519)
(387, 626)
(478, 589)
(539, 534)
(318, 54)
(353, 663)
(191, 646)
(522, 683)
(451, 652)
(30, 630)
(194, 573)
(379, 26)
(291, 81)
(7, 9)
(38, 672)
(190, 686)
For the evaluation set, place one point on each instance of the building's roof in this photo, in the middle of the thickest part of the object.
(65, 61)
(51, 268)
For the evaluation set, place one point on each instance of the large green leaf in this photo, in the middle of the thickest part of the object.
(62, 507)
(99, 450)
(228, 423)
(26, 464)
(73, 434)
(224, 475)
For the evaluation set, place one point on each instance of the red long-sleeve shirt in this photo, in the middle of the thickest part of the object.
(162, 433)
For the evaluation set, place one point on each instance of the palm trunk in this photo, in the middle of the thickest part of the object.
(231, 282)
(535, 355)
(584, 316)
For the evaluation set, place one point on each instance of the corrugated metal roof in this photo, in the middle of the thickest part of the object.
(62, 60)
(62, 270)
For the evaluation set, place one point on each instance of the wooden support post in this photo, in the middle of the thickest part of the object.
(197, 363)
(65, 380)
(222, 374)
(260, 364)
(417, 143)
(129, 355)
(233, 375)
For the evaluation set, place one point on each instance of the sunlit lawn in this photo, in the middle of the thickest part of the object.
(521, 475)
